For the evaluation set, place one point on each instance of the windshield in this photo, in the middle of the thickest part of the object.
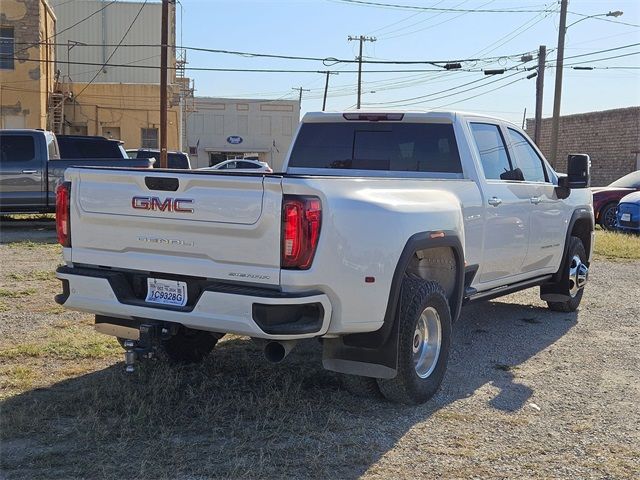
(400, 147)
(631, 180)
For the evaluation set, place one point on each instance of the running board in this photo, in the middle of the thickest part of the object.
(472, 295)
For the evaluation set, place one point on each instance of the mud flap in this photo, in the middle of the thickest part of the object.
(368, 361)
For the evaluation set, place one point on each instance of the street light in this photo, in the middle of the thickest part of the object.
(615, 14)
(562, 31)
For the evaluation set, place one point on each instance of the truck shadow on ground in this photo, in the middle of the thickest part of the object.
(235, 416)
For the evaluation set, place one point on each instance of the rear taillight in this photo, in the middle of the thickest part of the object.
(63, 227)
(301, 221)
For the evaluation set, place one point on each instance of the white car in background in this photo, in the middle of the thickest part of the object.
(242, 165)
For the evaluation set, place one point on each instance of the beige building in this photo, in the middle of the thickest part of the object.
(226, 128)
(124, 111)
(116, 102)
(26, 63)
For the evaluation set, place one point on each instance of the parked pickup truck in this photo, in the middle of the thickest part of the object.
(382, 226)
(30, 166)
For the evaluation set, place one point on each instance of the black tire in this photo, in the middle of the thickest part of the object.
(608, 216)
(189, 346)
(365, 387)
(576, 248)
(408, 387)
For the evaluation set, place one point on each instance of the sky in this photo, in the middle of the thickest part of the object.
(319, 28)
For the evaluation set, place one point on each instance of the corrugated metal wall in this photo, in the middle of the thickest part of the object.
(107, 28)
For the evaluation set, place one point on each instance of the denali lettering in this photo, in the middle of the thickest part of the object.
(167, 205)
(166, 241)
(249, 275)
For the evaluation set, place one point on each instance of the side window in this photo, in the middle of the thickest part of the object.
(528, 160)
(52, 148)
(492, 150)
(248, 165)
(17, 148)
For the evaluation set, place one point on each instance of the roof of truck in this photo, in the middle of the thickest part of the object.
(23, 130)
(444, 115)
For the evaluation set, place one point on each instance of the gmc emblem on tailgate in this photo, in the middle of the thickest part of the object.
(167, 205)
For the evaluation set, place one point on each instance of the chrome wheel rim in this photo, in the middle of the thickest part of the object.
(427, 339)
(578, 275)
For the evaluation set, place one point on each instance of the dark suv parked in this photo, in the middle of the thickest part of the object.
(176, 160)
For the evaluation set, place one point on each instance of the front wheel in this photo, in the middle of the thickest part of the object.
(575, 277)
(423, 343)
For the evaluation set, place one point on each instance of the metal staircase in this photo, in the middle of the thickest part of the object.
(56, 112)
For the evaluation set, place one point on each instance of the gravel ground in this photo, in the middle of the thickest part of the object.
(529, 393)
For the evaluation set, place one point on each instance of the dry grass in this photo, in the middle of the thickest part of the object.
(69, 411)
(28, 217)
(20, 293)
(617, 246)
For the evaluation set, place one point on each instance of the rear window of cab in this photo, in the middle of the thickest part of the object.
(394, 147)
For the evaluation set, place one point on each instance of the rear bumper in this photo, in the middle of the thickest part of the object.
(255, 312)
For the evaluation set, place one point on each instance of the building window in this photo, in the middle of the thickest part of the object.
(7, 48)
(149, 138)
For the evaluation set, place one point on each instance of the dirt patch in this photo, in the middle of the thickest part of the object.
(529, 393)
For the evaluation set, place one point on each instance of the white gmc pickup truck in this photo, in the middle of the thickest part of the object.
(380, 228)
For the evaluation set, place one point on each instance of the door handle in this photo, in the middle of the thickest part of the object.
(536, 200)
(495, 201)
(30, 171)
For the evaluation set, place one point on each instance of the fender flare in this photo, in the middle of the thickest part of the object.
(578, 214)
(374, 354)
(555, 290)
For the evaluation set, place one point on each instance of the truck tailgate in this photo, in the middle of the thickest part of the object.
(185, 223)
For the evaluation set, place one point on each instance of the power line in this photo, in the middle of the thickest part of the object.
(613, 49)
(399, 103)
(403, 31)
(247, 70)
(400, 33)
(115, 49)
(276, 70)
(483, 93)
(605, 58)
(68, 28)
(438, 9)
(326, 60)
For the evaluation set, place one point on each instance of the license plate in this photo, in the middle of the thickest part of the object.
(166, 292)
(626, 217)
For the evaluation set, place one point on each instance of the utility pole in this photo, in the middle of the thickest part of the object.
(542, 57)
(555, 126)
(326, 88)
(300, 89)
(164, 40)
(361, 39)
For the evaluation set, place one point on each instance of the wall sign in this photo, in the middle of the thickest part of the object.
(234, 140)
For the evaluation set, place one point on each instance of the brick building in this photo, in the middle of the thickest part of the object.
(26, 63)
(610, 137)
